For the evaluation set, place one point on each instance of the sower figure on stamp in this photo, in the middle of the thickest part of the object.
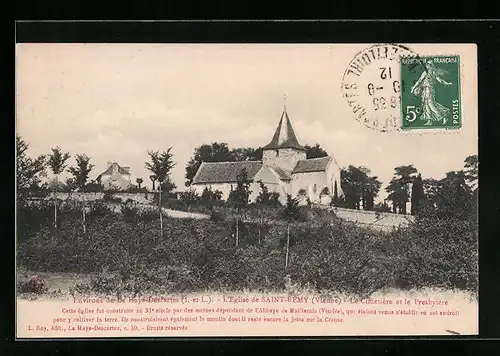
(424, 88)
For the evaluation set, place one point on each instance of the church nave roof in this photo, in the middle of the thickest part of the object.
(225, 172)
(312, 165)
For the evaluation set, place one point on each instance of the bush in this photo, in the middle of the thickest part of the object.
(128, 255)
(136, 189)
(442, 253)
(217, 215)
(31, 219)
(130, 211)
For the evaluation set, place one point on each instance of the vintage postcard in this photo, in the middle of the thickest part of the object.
(229, 190)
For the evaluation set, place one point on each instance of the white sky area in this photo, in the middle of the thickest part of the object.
(115, 102)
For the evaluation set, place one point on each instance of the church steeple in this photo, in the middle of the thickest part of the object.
(284, 136)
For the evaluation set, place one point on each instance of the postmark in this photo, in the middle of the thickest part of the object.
(372, 84)
(430, 96)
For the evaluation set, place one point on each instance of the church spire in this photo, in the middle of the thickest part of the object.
(284, 136)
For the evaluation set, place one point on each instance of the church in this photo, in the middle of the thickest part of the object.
(284, 169)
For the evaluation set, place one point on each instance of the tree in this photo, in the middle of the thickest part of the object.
(206, 195)
(265, 199)
(455, 198)
(359, 186)
(371, 187)
(160, 165)
(94, 187)
(139, 182)
(382, 207)
(262, 201)
(398, 187)
(29, 172)
(471, 170)
(264, 195)
(69, 185)
(337, 200)
(80, 174)
(315, 151)
(239, 196)
(81, 171)
(153, 180)
(246, 154)
(57, 163)
(167, 186)
(417, 195)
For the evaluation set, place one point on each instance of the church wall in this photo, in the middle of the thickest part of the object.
(308, 181)
(332, 175)
(285, 158)
(255, 188)
(226, 189)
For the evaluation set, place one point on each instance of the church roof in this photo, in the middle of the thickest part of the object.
(312, 165)
(284, 137)
(281, 173)
(225, 172)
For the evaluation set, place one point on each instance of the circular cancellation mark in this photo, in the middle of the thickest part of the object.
(372, 85)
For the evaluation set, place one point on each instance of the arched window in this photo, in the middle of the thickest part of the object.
(315, 188)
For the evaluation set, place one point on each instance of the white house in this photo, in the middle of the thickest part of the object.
(283, 169)
(115, 176)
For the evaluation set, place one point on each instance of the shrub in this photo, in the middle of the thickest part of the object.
(135, 189)
(33, 284)
(217, 215)
(130, 211)
(31, 219)
(325, 253)
(98, 209)
(148, 215)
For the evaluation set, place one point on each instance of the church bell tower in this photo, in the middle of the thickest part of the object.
(284, 150)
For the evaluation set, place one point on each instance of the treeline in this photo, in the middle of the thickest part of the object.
(31, 173)
(456, 194)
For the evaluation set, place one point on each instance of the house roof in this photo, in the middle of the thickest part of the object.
(284, 137)
(312, 165)
(121, 170)
(225, 172)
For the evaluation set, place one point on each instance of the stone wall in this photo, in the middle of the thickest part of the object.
(143, 198)
(380, 221)
(285, 158)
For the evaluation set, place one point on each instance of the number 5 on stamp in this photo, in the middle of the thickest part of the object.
(430, 94)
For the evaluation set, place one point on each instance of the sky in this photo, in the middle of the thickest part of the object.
(115, 102)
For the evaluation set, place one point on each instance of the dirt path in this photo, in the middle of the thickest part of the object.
(172, 213)
(184, 214)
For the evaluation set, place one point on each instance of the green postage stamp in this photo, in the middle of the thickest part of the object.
(430, 93)
(391, 87)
